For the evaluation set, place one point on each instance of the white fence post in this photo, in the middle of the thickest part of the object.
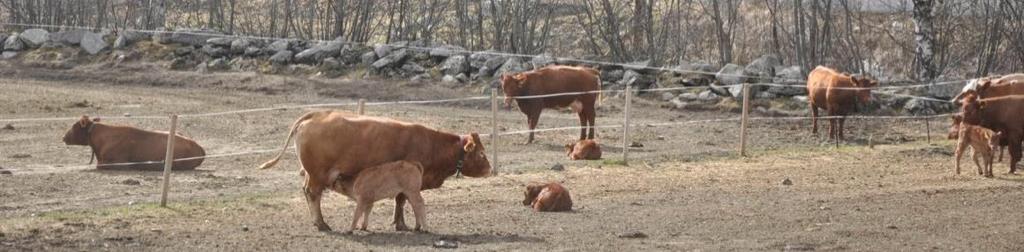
(494, 130)
(743, 119)
(625, 126)
(362, 107)
(169, 159)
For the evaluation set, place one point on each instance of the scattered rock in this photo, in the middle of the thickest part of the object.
(368, 58)
(511, 66)
(240, 46)
(320, 51)
(69, 38)
(20, 155)
(9, 127)
(127, 38)
(667, 96)
(220, 41)
(638, 66)
(447, 51)
(557, 167)
(193, 37)
(93, 43)
(477, 59)
(396, 58)
(613, 75)
(633, 235)
(278, 46)
(180, 63)
(635, 144)
(131, 203)
(14, 43)
(34, 37)
(252, 51)
(219, 64)
(8, 55)
(455, 65)
(281, 57)
(130, 182)
(446, 244)
(413, 68)
(763, 68)
(6, 172)
(245, 228)
(542, 60)
(637, 80)
(449, 79)
(787, 182)
(491, 65)
(891, 227)
(330, 64)
(214, 51)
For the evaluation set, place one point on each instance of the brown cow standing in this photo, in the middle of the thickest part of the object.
(380, 182)
(838, 94)
(554, 80)
(114, 144)
(583, 149)
(1001, 114)
(334, 143)
(548, 197)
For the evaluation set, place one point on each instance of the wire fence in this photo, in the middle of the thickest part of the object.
(650, 130)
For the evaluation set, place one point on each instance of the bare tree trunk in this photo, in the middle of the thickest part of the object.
(924, 36)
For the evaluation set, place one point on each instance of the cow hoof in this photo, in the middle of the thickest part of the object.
(401, 227)
(323, 227)
(350, 232)
(421, 231)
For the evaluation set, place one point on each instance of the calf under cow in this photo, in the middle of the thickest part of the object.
(334, 144)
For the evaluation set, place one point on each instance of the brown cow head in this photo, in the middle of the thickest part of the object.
(79, 132)
(512, 85)
(865, 82)
(970, 110)
(532, 191)
(475, 162)
(954, 129)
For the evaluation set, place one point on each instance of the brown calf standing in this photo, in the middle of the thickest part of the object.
(583, 149)
(982, 141)
(954, 133)
(382, 182)
(548, 197)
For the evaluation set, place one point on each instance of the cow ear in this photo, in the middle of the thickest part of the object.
(470, 146)
(84, 122)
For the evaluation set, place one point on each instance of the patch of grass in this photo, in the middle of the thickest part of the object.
(614, 161)
(153, 209)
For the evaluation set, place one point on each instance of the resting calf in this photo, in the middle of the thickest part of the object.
(549, 197)
(381, 182)
(583, 149)
(982, 141)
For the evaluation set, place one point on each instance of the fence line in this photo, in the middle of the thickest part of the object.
(452, 49)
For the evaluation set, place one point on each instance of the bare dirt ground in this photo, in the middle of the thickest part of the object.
(685, 189)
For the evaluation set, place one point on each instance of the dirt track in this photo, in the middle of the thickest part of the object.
(685, 189)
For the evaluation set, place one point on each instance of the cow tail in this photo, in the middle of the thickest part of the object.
(599, 91)
(291, 133)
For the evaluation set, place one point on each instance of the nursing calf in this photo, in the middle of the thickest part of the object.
(381, 182)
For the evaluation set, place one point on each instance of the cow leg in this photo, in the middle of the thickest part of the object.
(1015, 154)
(532, 119)
(960, 145)
(367, 208)
(591, 115)
(831, 128)
(975, 156)
(583, 124)
(1000, 149)
(358, 215)
(842, 126)
(313, 191)
(814, 120)
(400, 213)
(418, 209)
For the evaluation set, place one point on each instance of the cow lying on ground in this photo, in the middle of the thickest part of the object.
(114, 145)
(548, 197)
(982, 142)
(1002, 114)
(837, 93)
(954, 134)
(583, 149)
(380, 182)
(554, 80)
(332, 144)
